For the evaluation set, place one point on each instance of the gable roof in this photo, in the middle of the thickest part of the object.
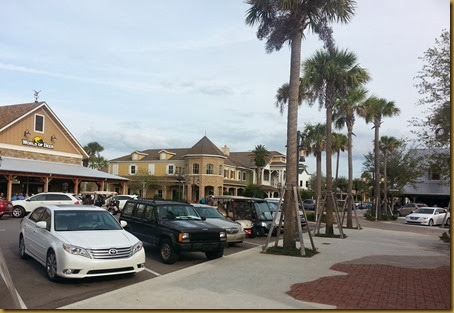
(245, 159)
(153, 155)
(206, 147)
(11, 114)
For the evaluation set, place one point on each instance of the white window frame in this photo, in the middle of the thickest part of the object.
(115, 169)
(130, 169)
(151, 169)
(34, 122)
(168, 169)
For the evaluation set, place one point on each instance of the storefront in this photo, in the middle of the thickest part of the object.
(39, 154)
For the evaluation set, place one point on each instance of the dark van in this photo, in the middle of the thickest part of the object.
(173, 227)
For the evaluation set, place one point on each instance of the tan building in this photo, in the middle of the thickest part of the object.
(194, 173)
(38, 153)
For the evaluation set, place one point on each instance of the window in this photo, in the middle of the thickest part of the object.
(39, 123)
(149, 214)
(210, 169)
(132, 169)
(36, 215)
(239, 175)
(195, 168)
(115, 169)
(266, 175)
(170, 169)
(127, 209)
(232, 174)
(244, 175)
(220, 170)
(159, 193)
(151, 169)
(226, 173)
(57, 197)
(139, 211)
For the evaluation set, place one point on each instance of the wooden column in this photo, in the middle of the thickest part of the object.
(9, 186)
(46, 181)
(123, 187)
(76, 185)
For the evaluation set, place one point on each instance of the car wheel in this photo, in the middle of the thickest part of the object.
(168, 254)
(260, 232)
(214, 254)
(51, 266)
(18, 211)
(22, 252)
(431, 222)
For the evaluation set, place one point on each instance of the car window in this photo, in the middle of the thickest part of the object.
(36, 214)
(426, 211)
(46, 217)
(179, 212)
(85, 220)
(38, 198)
(149, 214)
(124, 198)
(57, 197)
(139, 210)
(127, 209)
(208, 212)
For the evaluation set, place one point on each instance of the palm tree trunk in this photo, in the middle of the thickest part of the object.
(318, 190)
(329, 230)
(350, 176)
(292, 124)
(377, 167)
(385, 185)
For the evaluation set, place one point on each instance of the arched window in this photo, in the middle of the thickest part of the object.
(195, 168)
(210, 169)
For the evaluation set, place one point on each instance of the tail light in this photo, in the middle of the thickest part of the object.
(76, 202)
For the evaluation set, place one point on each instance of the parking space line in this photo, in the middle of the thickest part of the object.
(9, 284)
(152, 272)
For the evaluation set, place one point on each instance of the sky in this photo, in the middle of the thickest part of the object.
(141, 74)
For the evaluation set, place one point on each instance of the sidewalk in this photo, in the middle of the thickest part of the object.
(365, 270)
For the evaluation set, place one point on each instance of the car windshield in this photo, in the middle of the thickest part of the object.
(178, 212)
(76, 220)
(264, 211)
(425, 211)
(208, 212)
(272, 206)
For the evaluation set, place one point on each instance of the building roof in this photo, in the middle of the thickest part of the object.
(17, 165)
(427, 188)
(153, 155)
(10, 113)
(205, 147)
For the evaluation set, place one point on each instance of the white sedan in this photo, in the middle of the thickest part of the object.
(427, 216)
(79, 241)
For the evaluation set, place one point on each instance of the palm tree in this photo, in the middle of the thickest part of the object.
(95, 160)
(344, 114)
(314, 142)
(373, 110)
(387, 145)
(339, 144)
(259, 155)
(282, 21)
(329, 75)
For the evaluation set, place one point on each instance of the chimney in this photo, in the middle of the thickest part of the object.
(226, 150)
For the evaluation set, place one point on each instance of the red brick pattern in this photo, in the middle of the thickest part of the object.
(377, 286)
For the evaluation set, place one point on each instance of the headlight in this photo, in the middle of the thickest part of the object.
(263, 224)
(222, 235)
(240, 226)
(183, 237)
(137, 247)
(76, 250)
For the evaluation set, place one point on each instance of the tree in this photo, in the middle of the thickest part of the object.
(95, 160)
(281, 21)
(141, 182)
(387, 146)
(339, 144)
(314, 142)
(259, 155)
(373, 110)
(344, 114)
(434, 85)
(255, 191)
(329, 74)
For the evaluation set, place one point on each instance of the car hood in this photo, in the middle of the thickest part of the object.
(190, 225)
(98, 238)
(419, 215)
(222, 223)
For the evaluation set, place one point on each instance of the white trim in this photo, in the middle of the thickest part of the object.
(115, 169)
(174, 169)
(135, 167)
(151, 168)
(35, 150)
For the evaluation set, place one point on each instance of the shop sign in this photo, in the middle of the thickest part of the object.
(37, 142)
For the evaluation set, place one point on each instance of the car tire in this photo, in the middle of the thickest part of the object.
(211, 255)
(260, 232)
(167, 252)
(22, 252)
(51, 266)
(431, 222)
(18, 211)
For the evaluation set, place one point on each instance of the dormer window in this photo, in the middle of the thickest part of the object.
(39, 123)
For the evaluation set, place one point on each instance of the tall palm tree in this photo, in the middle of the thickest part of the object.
(340, 143)
(344, 114)
(387, 145)
(95, 160)
(374, 110)
(314, 142)
(281, 21)
(259, 154)
(329, 75)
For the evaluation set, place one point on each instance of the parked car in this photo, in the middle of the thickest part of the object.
(427, 216)
(22, 207)
(273, 203)
(174, 227)
(409, 208)
(234, 230)
(6, 207)
(79, 241)
(123, 198)
(309, 204)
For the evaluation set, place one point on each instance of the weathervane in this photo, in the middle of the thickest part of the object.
(36, 95)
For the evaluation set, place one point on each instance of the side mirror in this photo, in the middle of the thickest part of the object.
(41, 224)
(123, 223)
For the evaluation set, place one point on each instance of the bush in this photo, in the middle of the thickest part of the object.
(311, 217)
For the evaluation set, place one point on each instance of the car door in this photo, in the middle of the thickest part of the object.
(29, 231)
(34, 202)
(440, 216)
(43, 236)
(151, 233)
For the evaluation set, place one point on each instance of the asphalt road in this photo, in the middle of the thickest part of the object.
(34, 291)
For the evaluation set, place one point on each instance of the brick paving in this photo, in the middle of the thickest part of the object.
(380, 286)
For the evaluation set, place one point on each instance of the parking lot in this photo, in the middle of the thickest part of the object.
(36, 292)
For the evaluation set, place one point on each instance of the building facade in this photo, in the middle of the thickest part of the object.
(197, 172)
(38, 153)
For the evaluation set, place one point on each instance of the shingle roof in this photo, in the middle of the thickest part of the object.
(153, 154)
(10, 113)
(205, 146)
(245, 159)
